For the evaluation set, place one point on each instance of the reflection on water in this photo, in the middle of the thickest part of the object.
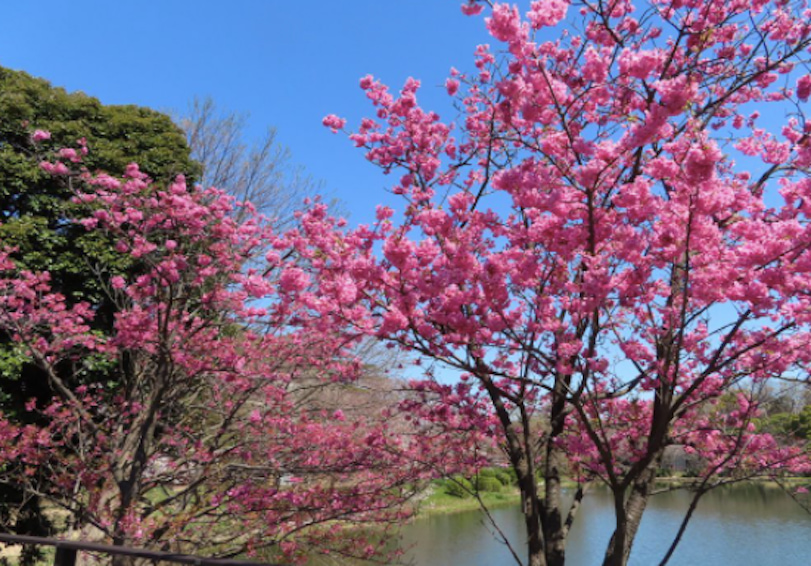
(739, 525)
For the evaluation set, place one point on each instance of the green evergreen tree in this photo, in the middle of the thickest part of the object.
(35, 213)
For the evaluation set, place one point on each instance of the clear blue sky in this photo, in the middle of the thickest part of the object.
(286, 62)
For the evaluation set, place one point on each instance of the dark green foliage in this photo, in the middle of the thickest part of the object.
(796, 425)
(34, 207)
(36, 213)
(116, 135)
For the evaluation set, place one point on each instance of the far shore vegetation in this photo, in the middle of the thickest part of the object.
(459, 494)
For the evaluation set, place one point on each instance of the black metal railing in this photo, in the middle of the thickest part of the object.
(66, 551)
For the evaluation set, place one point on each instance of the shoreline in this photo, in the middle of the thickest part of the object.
(437, 502)
(440, 503)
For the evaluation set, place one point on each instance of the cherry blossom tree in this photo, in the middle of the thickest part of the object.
(609, 245)
(206, 437)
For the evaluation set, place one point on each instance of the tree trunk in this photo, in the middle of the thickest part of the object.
(531, 507)
(519, 450)
(554, 531)
(535, 542)
(553, 528)
(629, 515)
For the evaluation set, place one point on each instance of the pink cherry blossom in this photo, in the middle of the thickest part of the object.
(472, 8)
(334, 122)
(547, 13)
(505, 23)
(583, 246)
(40, 135)
(204, 333)
(804, 87)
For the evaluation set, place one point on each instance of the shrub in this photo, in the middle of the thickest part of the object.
(458, 486)
(487, 483)
(505, 477)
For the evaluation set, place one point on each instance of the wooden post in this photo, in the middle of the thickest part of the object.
(65, 556)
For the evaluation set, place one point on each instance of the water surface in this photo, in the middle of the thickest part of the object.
(743, 525)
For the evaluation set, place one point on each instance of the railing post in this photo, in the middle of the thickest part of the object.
(65, 556)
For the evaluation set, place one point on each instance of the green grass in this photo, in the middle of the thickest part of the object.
(440, 502)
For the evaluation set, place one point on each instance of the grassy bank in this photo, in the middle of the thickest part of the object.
(439, 502)
(787, 482)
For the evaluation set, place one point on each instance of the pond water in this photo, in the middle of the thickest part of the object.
(739, 525)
